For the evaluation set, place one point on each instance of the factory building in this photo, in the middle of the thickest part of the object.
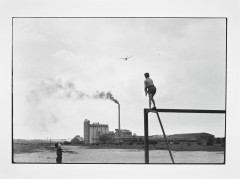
(123, 133)
(93, 131)
(187, 136)
(191, 137)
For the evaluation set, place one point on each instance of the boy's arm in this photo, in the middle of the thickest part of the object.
(64, 150)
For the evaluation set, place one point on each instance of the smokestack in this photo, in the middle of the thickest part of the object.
(109, 96)
(119, 117)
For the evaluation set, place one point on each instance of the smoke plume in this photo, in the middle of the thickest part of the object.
(105, 95)
(43, 99)
(57, 89)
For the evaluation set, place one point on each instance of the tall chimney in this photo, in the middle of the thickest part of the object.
(119, 117)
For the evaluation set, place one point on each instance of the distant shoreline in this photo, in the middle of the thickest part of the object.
(37, 147)
(173, 147)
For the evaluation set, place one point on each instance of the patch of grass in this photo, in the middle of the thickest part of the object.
(19, 148)
(31, 147)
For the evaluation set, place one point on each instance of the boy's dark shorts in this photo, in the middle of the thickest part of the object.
(152, 90)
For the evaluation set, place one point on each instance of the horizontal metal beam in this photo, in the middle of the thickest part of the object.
(185, 111)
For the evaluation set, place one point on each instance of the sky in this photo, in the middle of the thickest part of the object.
(65, 69)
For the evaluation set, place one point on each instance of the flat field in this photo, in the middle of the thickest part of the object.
(45, 153)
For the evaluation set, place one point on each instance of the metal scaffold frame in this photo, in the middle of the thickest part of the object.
(146, 111)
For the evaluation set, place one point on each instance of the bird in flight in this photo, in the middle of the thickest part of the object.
(126, 58)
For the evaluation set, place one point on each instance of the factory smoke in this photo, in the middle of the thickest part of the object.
(44, 97)
(56, 89)
(105, 95)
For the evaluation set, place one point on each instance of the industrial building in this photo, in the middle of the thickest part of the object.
(123, 133)
(93, 131)
(191, 137)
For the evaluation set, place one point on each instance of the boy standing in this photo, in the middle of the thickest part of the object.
(150, 89)
(59, 152)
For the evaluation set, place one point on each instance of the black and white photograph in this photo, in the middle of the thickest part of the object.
(119, 90)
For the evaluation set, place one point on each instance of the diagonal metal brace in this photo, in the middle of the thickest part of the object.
(146, 135)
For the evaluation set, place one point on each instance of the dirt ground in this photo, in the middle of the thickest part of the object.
(46, 153)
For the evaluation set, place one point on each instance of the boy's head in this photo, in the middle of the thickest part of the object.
(146, 75)
(56, 145)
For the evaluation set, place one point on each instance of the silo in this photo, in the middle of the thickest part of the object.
(86, 131)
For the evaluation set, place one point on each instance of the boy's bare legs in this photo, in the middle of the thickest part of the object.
(153, 103)
(151, 100)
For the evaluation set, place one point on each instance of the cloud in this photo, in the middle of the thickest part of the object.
(45, 116)
(63, 54)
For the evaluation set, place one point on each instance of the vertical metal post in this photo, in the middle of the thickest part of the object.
(146, 136)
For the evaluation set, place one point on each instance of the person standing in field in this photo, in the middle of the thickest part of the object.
(149, 89)
(59, 152)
